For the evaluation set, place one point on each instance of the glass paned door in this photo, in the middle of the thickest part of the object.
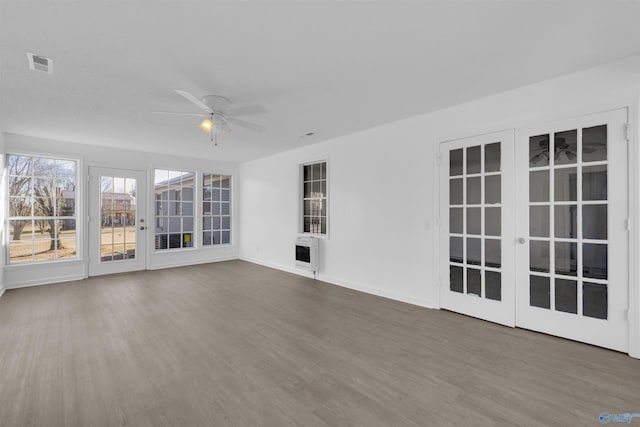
(476, 230)
(117, 225)
(572, 260)
(117, 218)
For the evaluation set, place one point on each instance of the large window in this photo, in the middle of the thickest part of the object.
(216, 209)
(314, 198)
(174, 209)
(42, 209)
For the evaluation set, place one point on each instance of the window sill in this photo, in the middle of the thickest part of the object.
(318, 236)
(33, 264)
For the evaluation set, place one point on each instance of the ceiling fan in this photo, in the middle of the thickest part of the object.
(541, 152)
(216, 115)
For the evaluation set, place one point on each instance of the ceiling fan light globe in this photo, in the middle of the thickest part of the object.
(206, 125)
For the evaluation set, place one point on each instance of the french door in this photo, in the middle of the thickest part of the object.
(117, 228)
(476, 227)
(573, 248)
(539, 240)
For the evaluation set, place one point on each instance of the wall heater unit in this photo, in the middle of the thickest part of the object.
(307, 253)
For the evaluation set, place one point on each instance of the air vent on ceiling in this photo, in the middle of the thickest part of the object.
(40, 63)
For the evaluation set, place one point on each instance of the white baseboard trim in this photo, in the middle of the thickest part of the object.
(277, 266)
(427, 303)
(47, 281)
(190, 262)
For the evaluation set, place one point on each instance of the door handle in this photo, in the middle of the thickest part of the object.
(521, 240)
(142, 228)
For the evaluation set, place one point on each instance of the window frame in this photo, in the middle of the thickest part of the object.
(194, 215)
(203, 215)
(325, 198)
(78, 216)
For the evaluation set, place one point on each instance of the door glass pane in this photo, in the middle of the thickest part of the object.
(473, 159)
(539, 255)
(455, 278)
(492, 253)
(469, 244)
(473, 251)
(492, 191)
(562, 218)
(594, 222)
(565, 147)
(473, 190)
(565, 184)
(594, 300)
(455, 191)
(455, 249)
(473, 220)
(594, 182)
(492, 222)
(492, 285)
(539, 295)
(455, 162)
(455, 220)
(539, 186)
(474, 281)
(566, 293)
(118, 185)
(566, 220)
(539, 221)
(539, 151)
(566, 258)
(594, 260)
(117, 218)
(594, 143)
(492, 157)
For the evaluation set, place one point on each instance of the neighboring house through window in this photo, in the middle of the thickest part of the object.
(174, 191)
(216, 209)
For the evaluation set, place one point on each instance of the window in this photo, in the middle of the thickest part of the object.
(216, 209)
(314, 198)
(42, 213)
(174, 209)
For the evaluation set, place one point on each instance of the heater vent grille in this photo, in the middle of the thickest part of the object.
(307, 253)
(40, 63)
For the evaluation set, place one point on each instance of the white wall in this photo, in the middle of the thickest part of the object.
(383, 184)
(25, 275)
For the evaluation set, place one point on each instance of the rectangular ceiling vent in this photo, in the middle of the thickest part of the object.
(40, 63)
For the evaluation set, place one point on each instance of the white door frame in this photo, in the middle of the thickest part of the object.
(96, 266)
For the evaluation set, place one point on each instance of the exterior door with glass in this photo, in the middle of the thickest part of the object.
(117, 237)
(476, 227)
(572, 232)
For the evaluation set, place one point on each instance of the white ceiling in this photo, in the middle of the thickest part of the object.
(332, 67)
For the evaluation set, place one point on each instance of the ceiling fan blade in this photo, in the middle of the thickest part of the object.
(220, 124)
(247, 110)
(171, 113)
(247, 125)
(194, 99)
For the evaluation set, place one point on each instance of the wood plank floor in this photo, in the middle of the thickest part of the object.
(236, 344)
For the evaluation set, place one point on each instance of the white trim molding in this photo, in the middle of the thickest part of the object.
(408, 299)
